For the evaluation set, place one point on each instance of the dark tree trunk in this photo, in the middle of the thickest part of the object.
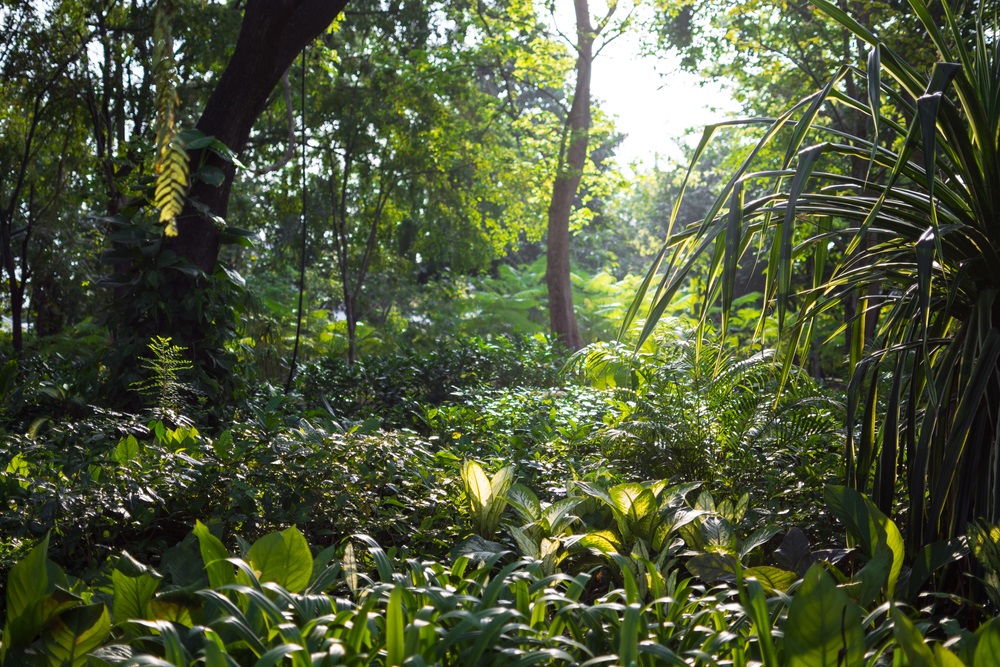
(351, 317)
(273, 33)
(573, 154)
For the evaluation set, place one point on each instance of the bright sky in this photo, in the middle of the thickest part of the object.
(654, 111)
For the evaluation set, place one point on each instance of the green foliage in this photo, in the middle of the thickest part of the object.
(984, 542)
(281, 600)
(916, 240)
(395, 388)
(163, 384)
(685, 409)
(487, 496)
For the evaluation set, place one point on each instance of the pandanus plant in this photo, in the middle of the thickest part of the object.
(920, 236)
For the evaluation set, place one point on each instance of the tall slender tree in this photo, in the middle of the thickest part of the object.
(569, 171)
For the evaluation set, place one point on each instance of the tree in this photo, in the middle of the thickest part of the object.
(569, 170)
(272, 34)
(39, 143)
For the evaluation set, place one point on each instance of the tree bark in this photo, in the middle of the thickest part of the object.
(271, 36)
(573, 154)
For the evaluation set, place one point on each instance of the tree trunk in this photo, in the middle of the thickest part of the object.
(351, 317)
(271, 36)
(573, 154)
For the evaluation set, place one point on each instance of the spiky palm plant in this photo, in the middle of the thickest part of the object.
(921, 246)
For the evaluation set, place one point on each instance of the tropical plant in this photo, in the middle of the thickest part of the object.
(683, 407)
(487, 496)
(917, 245)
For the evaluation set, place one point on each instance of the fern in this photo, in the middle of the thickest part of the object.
(163, 384)
(171, 165)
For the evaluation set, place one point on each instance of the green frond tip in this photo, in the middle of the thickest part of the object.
(171, 165)
(171, 184)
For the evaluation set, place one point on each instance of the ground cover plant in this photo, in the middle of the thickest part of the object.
(501, 532)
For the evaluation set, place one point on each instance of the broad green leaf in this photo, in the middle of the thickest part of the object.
(758, 537)
(525, 502)
(823, 627)
(945, 658)
(18, 467)
(718, 535)
(624, 496)
(872, 578)
(126, 450)
(283, 558)
(713, 567)
(28, 580)
(214, 554)
(868, 526)
(771, 578)
(477, 487)
(499, 486)
(69, 637)
(29, 599)
(172, 609)
(557, 517)
(705, 502)
(603, 540)
(525, 544)
(131, 595)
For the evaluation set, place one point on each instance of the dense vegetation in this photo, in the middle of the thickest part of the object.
(305, 379)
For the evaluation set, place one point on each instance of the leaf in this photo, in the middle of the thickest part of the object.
(823, 628)
(873, 576)
(283, 558)
(771, 578)
(603, 540)
(214, 554)
(72, 635)
(477, 548)
(126, 450)
(932, 557)
(558, 517)
(755, 604)
(918, 654)
(868, 526)
(477, 487)
(211, 175)
(27, 587)
(794, 552)
(713, 567)
(499, 486)
(524, 502)
(988, 644)
(718, 535)
(395, 623)
(132, 595)
(350, 565)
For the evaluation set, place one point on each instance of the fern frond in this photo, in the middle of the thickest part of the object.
(171, 165)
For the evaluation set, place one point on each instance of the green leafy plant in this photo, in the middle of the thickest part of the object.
(487, 496)
(163, 385)
(918, 250)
